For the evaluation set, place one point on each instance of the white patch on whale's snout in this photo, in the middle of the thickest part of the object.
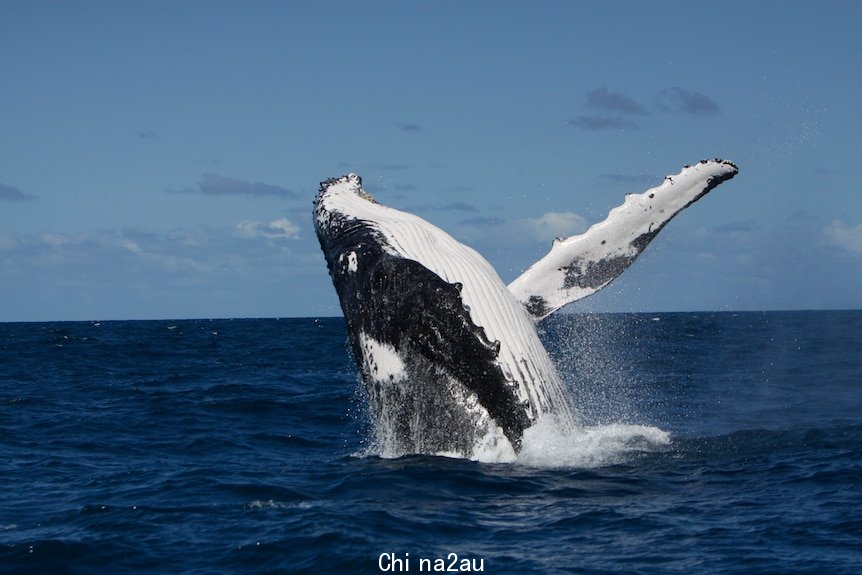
(352, 262)
(384, 363)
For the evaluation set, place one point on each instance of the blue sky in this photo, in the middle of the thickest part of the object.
(159, 160)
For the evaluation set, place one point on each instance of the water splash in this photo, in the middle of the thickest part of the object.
(549, 445)
(595, 358)
(595, 355)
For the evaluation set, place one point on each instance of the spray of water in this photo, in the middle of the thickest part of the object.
(593, 356)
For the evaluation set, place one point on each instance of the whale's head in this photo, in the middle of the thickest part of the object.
(345, 220)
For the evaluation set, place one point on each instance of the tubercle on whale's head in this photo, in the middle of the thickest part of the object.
(340, 201)
(349, 183)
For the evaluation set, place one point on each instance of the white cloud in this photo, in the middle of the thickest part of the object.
(7, 241)
(132, 246)
(55, 240)
(554, 225)
(544, 228)
(134, 272)
(844, 236)
(287, 228)
(281, 228)
(598, 122)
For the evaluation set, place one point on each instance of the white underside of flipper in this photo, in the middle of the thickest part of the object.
(581, 265)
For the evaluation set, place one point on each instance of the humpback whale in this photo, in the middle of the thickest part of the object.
(449, 355)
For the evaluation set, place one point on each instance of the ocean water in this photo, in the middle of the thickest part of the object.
(711, 443)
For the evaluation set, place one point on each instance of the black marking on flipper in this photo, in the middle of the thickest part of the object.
(537, 306)
(579, 266)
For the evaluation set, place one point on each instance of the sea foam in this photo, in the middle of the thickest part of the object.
(547, 444)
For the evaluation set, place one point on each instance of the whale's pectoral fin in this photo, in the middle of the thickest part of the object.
(581, 265)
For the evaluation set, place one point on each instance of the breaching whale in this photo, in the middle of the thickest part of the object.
(449, 355)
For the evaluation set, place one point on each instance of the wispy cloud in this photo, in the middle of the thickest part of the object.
(387, 167)
(678, 100)
(614, 111)
(450, 207)
(215, 185)
(482, 222)
(614, 102)
(141, 256)
(596, 123)
(617, 111)
(632, 179)
(148, 135)
(844, 236)
(57, 240)
(544, 228)
(180, 272)
(280, 229)
(409, 127)
(553, 225)
(377, 186)
(381, 166)
(460, 189)
(13, 194)
(7, 241)
(141, 253)
(746, 226)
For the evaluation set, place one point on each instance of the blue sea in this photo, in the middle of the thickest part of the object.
(711, 443)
